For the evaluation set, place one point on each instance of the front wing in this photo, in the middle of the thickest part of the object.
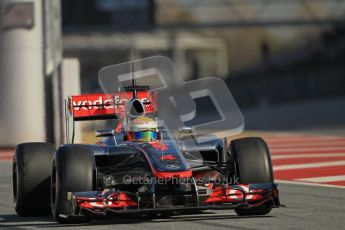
(110, 201)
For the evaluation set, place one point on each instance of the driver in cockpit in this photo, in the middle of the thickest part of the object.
(142, 129)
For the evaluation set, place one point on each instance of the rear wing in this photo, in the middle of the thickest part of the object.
(88, 107)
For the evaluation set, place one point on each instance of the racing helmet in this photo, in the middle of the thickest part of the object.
(142, 129)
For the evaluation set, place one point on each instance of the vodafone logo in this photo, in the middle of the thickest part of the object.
(98, 104)
(101, 103)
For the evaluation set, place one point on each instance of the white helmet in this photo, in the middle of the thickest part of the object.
(142, 129)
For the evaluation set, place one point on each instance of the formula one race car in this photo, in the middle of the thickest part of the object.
(140, 166)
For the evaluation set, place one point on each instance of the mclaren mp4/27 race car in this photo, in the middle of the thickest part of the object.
(149, 161)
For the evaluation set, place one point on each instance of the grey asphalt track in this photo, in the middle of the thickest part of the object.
(309, 207)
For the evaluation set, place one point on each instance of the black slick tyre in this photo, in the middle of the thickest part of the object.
(253, 166)
(31, 175)
(73, 171)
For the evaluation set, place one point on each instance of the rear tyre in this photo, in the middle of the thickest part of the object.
(73, 171)
(31, 172)
(253, 165)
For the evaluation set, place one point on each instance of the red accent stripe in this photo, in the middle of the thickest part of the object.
(306, 145)
(300, 144)
(309, 172)
(6, 154)
(303, 140)
(305, 160)
(340, 183)
(6, 158)
(276, 152)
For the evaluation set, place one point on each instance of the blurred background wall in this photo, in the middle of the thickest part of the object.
(28, 61)
(283, 60)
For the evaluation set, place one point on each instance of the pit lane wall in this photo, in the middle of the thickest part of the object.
(30, 61)
(312, 114)
(22, 80)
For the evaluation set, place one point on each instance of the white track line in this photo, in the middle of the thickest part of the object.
(309, 184)
(324, 179)
(316, 155)
(308, 165)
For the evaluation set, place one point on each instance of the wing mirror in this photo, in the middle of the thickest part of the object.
(104, 133)
(136, 108)
(186, 130)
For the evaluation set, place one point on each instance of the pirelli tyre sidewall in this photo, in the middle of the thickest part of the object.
(31, 175)
(253, 165)
(73, 171)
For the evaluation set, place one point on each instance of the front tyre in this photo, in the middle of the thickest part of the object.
(253, 166)
(254, 211)
(73, 171)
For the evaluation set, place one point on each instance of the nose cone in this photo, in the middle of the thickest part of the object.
(165, 156)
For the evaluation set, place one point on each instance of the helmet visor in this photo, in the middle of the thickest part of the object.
(144, 135)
